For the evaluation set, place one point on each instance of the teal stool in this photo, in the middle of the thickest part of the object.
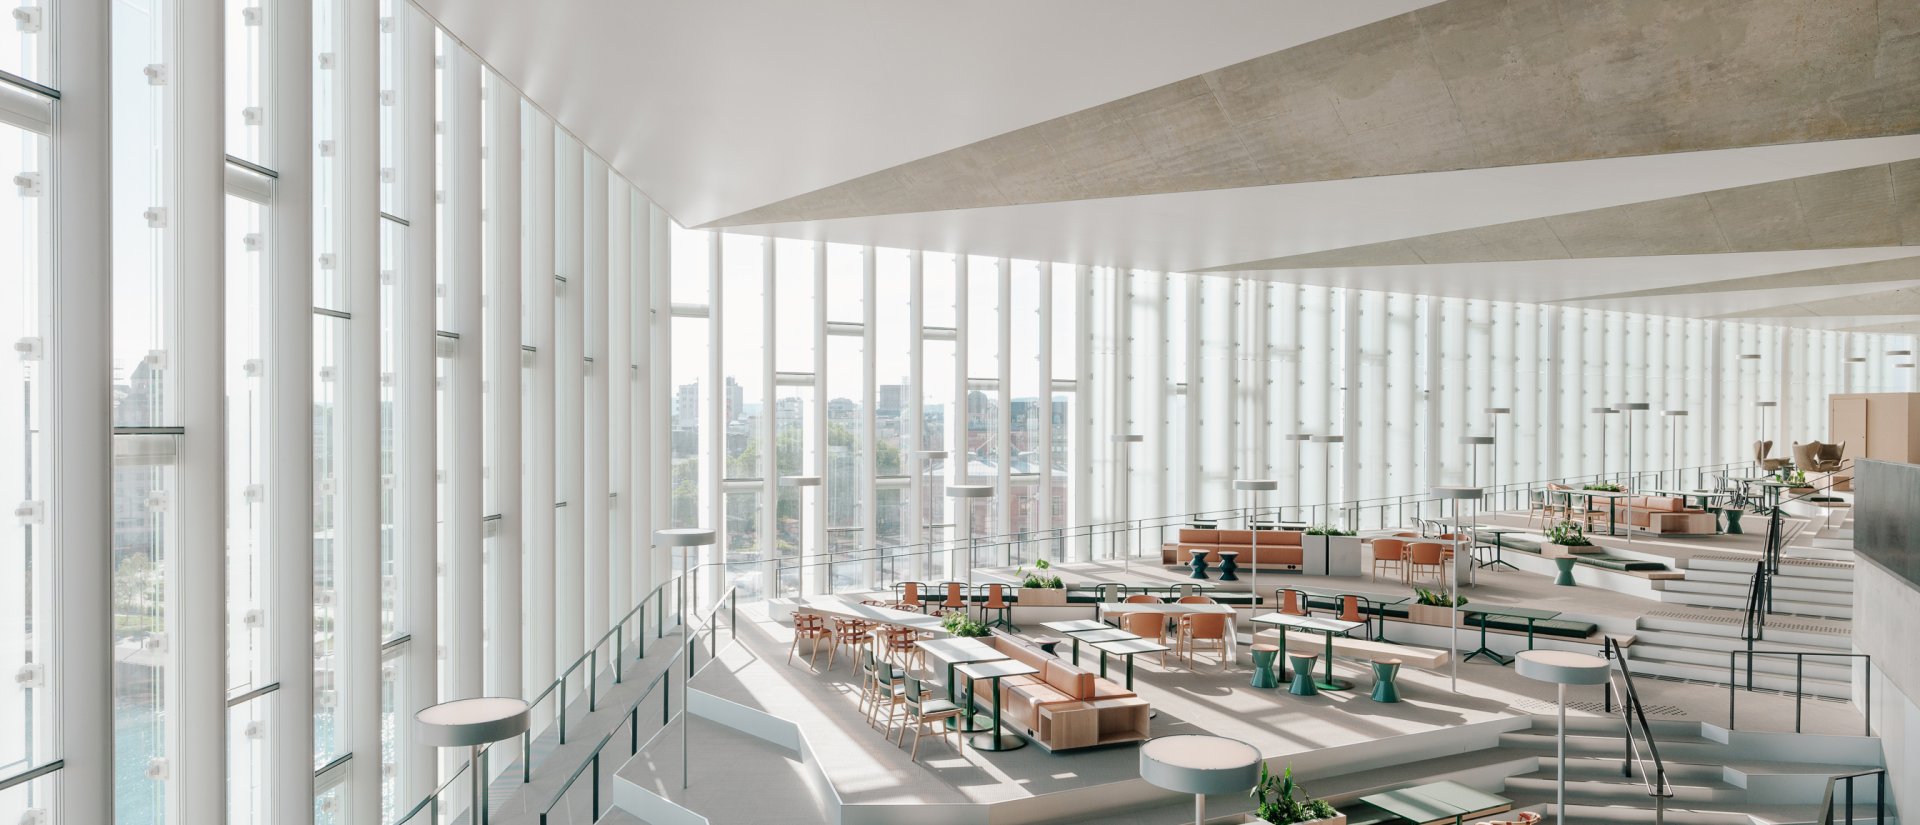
(1263, 675)
(1566, 571)
(1733, 521)
(1384, 690)
(1303, 674)
(1199, 563)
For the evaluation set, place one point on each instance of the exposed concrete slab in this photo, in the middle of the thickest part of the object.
(1456, 85)
(1904, 301)
(1890, 271)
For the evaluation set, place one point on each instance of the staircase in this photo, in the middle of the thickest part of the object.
(1719, 777)
(1804, 587)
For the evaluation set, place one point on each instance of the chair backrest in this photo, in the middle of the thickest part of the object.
(1142, 598)
(1761, 449)
(953, 594)
(996, 594)
(1110, 592)
(1183, 589)
(1426, 552)
(1350, 609)
(1206, 625)
(1407, 534)
(1144, 625)
(899, 637)
(1292, 602)
(849, 626)
(910, 592)
(1195, 600)
(915, 689)
(1388, 549)
(808, 621)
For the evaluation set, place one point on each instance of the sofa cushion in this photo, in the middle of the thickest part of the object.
(1265, 538)
(1068, 679)
(1243, 537)
(1278, 554)
(1191, 536)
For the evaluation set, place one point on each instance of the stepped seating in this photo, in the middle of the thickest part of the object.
(1602, 559)
(1562, 628)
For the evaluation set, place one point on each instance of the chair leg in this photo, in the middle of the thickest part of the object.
(918, 730)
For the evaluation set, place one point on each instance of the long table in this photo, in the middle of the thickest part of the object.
(871, 613)
(1178, 609)
(1318, 624)
(1531, 614)
(1380, 601)
(1438, 802)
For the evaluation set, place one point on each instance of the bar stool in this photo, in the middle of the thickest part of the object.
(1263, 675)
(1303, 674)
(996, 602)
(1384, 690)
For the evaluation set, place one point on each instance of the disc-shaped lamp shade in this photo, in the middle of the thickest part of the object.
(1857, 359)
(799, 481)
(1904, 366)
(1674, 412)
(1129, 438)
(1899, 352)
(1255, 484)
(1499, 410)
(683, 537)
(469, 722)
(1329, 439)
(1474, 440)
(1196, 764)
(1632, 406)
(933, 454)
(1602, 410)
(1561, 667)
(1298, 437)
(1749, 356)
(1458, 493)
(1766, 403)
(969, 490)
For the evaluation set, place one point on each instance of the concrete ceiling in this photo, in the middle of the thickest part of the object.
(1694, 157)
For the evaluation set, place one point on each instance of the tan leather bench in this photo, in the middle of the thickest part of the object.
(1270, 549)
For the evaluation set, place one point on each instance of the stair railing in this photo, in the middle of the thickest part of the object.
(1827, 806)
(1759, 603)
(1799, 679)
(1653, 770)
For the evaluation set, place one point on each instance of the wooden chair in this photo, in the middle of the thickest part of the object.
(1549, 508)
(1351, 611)
(1203, 627)
(996, 602)
(813, 628)
(880, 682)
(907, 596)
(1111, 592)
(1146, 626)
(1195, 600)
(901, 645)
(848, 633)
(1390, 553)
(1181, 591)
(956, 598)
(924, 708)
(1423, 555)
(1144, 598)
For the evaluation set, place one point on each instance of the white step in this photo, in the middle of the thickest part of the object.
(1784, 589)
(1674, 748)
(1717, 674)
(1821, 667)
(1599, 781)
(1781, 604)
(1638, 810)
(1744, 577)
(1780, 630)
(1813, 568)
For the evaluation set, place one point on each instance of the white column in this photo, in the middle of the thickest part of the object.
(959, 456)
(622, 376)
(569, 569)
(768, 435)
(358, 556)
(538, 442)
(869, 491)
(594, 505)
(79, 406)
(1349, 390)
(416, 500)
(1003, 397)
(461, 164)
(713, 440)
(659, 416)
(913, 442)
(814, 520)
(505, 281)
(1043, 491)
(195, 679)
(1081, 436)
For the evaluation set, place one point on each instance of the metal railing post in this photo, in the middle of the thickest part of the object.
(561, 700)
(619, 644)
(593, 680)
(526, 757)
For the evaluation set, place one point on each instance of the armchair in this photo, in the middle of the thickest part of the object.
(1767, 465)
(1815, 457)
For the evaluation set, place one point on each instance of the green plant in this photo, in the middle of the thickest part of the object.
(1327, 530)
(1036, 581)
(958, 623)
(1274, 800)
(1568, 534)
(1605, 487)
(1436, 598)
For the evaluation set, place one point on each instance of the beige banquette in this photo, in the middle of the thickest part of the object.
(1063, 706)
(1663, 514)
(1276, 548)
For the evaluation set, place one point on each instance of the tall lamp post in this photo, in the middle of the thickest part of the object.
(1765, 437)
(1299, 468)
(1673, 443)
(1453, 496)
(800, 484)
(1473, 444)
(473, 723)
(1603, 412)
(1253, 487)
(1121, 443)
(1493, 467)
(1628, 408)
(1326, 471)
(928, 457)
(674, 540)
(964, 494)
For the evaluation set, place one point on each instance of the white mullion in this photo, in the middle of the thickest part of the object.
(1188, 471)
(415, 426)
(1121, 305)
(869, 493)
(660, 411)
(916, 409)
(1003, 378)
(959, 456)
(815, 518)
(621, 376)
(79, 323)
(506, 665)
(597, 373)
(713, 454)
(1349, 410)
(1550, 465)
(461, 96)
(358, 557)
(537, 499)
(1080, 473)
(1043, 492)
(568, 550)
(769, 431)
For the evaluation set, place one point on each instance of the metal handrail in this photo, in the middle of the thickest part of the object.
(1799, 680)
(1759, 602)
(431, 802)
(1879, 796)
(729, 600)
(1632, 711)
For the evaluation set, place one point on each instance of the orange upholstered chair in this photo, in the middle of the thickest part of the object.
(1292, 602)
(1203, 627)
(1425, 555)
(1390, 553)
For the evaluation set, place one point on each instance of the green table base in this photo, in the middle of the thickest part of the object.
(1384, 690)
(994, 739)
(967, 721)
(1263, 675)
(1487, 651)
(1565, 579)
(1329, 682)
(1303, 684)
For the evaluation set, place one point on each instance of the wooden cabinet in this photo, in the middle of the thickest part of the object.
(1879, 425)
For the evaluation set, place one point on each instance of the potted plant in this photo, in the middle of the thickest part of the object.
(1038, 588)
(1604, 487)
(958, 623)
(1275, 802)
(1326, 550)
(1566, 539)
(1434, 607)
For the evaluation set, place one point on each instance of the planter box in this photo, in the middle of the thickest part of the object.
(1561, 551)
(1250, 819)
(1429, 614)
(1331, 555)
(1041, 597)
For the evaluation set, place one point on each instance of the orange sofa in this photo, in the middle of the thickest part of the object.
(1063, 706)
(1275, 549)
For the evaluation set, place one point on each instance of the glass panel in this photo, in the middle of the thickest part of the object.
(22, 802)
(846, 465)
(247, 749)
(744, 359)
(392, 251)
(794, 436)
(938, 392)
(394, 17)
(690, 396)
(27, 52)
(329, 431)
(938, 286)
(892, 361)
(26, 704)
(1066, 326)
(983, 317)
(744, 553)
(793, 334)
(846, 283)
(692, 260)
(246, 448)
(143, 277)
(1062, 457)
(142, 537)
(246, 79)
(329, 180)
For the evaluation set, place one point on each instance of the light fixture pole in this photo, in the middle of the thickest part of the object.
(1121, 444)
(1253, 487)
(1455, 495)
(1628, 408)
(1673, 443)
(1326, 473)
(1562, 668)
(1603, 412)
(1299, 469)
(964, 494)
(1493, 469)
(800, 484)
(1764, 406)
(675, 539)
(1473, 444)
(926, 468)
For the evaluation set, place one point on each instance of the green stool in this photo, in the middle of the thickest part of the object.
(1733, 521)
(1303, 674)
(1384, 690)
(1263, 675)
(1565, 578)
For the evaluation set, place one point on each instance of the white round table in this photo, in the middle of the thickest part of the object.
(1200, 765)
(1561, 668)
(472, 723)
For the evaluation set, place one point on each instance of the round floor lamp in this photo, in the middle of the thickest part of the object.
(1493, 468)
(1121, 444)
(1199, 764)
(802, 484)
(680, 541)
(965, 495)
(928, 456)
(1603, 412)
(1253, 487)
(1561, 668)
(1628, 408)
(1299, 468)
(1764, 406)
(473, 724)
(1673, 442)
(1326, 471)
(1453, 496)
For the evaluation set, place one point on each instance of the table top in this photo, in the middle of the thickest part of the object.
(1505, 610)
(1321, 623)
(885, 615)
(1129, 647)
(1334, 592)
(1690, 493)
(1163, 607)
(1436, 800)
(994, 669)
(1498, 531)
(1597, 493)
(1075, 625)
(957, 650)
(1111, 634)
